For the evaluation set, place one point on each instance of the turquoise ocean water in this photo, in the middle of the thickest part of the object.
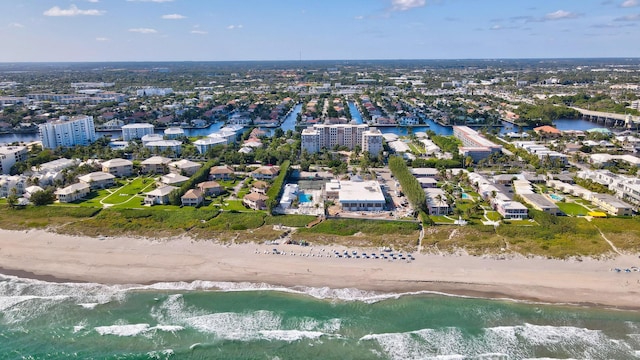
(42, 320)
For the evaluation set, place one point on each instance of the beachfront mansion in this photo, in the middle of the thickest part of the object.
(326, 136)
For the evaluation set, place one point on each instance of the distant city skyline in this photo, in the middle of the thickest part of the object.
(217, 30)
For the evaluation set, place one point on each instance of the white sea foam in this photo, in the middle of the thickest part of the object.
(134, 329)
(78, 328)
(499, 342)
(289, 335)
(89, 306)
(122, 330)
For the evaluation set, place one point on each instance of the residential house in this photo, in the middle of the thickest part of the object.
(185, 167)
(255, 201)
(173, 179)
(259, 187)
(118, 167)
(159, 196)
(222, 172)
(98, 180)
(210, 188)
(193, 197)
(266, 172)
(156, 165)
(73, 192)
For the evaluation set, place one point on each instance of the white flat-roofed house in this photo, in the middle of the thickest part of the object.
(539, 202)
(437, 202)
(73, 192)
(361, 196)
(156, 165)
(193, 197)
(511, 210)
(118, 167)
(612, 205)
(425, 172)
(184, 166)
(428, 183)
(98, 180)
(159, 196)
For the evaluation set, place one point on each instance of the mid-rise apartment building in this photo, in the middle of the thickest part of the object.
(78, 130)
(9, 155)
(326, 136)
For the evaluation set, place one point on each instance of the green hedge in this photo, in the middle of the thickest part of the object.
(274, 191)
(410, 185)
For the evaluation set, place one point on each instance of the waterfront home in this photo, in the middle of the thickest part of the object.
(255, 201)
(210, 188)
(118, 167)
(159, 196)
(73, 192)
(193, 197)
(266, 172)
(98, 180)
(156, 165)
(173, 179)
(184, 166)
(259, 187)
(222, 172)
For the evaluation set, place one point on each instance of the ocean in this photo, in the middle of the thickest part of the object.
(206, 320)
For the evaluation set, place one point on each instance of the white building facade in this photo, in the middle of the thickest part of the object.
(79, 130)
(136, 131)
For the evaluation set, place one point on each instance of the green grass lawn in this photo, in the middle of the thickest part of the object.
(290, 220)
(572, 209)
(346, 227)
(441, 219)
(494, 216)
(125, 193)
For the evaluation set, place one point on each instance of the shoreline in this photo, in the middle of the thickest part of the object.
(37, 254)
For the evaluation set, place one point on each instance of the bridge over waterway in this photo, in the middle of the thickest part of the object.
(610, 119)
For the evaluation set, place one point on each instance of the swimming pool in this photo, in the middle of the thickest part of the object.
(556, 197)
(304, 198)
(465, 196)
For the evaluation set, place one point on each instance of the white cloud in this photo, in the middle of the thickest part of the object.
(199, 32)
(630, 3)
(102, 39)
(144, 30)
(16, 25)
(72, 11)
(359, 17)
(633, 17)
(560, 14)
(231, 27)
(155, 1)
(404, 5)
(173, 17)
(93, 1)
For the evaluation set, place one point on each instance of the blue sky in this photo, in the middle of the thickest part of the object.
(168, 30)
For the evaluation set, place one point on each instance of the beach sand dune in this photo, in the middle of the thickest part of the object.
(122, 260)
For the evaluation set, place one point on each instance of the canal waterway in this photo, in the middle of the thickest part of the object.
(289, 123)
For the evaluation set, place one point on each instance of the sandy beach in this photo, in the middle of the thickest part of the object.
(121, 260)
